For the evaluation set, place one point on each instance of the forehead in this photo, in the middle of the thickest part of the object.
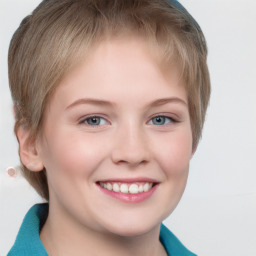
(119, 64)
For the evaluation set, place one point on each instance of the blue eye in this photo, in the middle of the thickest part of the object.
(161, 120)
(95, 121)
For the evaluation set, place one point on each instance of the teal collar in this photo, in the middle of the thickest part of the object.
(172, 244)
(28, 240)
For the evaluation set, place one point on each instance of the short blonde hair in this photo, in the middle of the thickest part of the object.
(50, 41)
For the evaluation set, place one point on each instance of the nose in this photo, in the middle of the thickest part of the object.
(131, 146)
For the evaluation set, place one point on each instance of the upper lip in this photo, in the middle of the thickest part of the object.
(130, 180)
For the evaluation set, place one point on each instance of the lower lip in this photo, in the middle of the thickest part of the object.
(130, 198)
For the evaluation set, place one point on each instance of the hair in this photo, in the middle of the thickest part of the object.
(59, 33)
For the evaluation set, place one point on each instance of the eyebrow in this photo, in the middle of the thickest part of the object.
(90, 101)
(164, 101)
(99, 102)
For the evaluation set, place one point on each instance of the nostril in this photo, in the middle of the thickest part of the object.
(131, 158)
(131, 146)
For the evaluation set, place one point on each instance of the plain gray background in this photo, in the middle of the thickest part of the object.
(217, 215)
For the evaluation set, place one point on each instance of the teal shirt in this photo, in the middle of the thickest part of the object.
(28, 241)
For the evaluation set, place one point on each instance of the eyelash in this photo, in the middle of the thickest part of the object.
(85, 120)
(171, 120)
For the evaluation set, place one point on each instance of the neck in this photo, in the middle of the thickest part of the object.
(61, 236)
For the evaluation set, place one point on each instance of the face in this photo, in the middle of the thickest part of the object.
(117, 140)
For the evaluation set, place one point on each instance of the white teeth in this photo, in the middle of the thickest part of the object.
(124, 188)
(116, 187)
(146, 187)
(134, 189)
(127, 188)
(109, 186)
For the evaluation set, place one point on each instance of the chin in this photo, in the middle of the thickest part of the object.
(132, 228)
(131, 231)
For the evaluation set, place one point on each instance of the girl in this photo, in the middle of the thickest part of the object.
(110, 99)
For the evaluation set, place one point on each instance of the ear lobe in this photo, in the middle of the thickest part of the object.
(28, 151)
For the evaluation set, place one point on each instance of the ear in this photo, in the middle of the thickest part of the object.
(28, 151)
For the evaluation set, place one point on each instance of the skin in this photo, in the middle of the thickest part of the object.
(127, 143)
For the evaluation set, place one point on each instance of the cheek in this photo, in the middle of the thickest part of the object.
(174, 154)
(70, 155)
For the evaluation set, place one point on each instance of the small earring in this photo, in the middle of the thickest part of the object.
(11, 172)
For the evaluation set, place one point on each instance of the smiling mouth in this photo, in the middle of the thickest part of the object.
(127, 188)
